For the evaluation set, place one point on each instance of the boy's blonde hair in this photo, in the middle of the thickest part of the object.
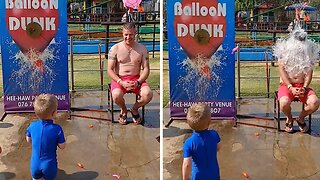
(45, 105)
(199, 116)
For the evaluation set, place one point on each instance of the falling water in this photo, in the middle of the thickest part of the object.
(31, 78)
(200, 81)
(296, 52)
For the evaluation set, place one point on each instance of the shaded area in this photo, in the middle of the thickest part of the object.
(7, 175)
(83, 175)
(5, 125)
(175, 131)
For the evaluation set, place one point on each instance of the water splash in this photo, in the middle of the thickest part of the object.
(35, 70)
(200, 76)
(297, 53)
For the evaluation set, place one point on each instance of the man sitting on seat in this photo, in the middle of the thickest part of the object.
(296, 57)
(126, 59)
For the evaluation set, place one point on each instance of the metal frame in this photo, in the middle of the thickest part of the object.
(111, 105)
(276, 111)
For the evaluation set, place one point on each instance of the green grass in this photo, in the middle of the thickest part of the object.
(84, 79)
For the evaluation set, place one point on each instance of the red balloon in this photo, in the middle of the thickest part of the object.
(20, 36)
(191, 46)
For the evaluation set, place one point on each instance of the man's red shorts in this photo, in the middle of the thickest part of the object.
(284, 91)
(115, 85)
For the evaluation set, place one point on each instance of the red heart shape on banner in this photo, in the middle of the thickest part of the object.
(18, 19)
(207, 40)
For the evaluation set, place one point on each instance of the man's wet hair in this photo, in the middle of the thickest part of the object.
(129, 26)
(300, 35)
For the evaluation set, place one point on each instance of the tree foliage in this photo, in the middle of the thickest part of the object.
(245, 5)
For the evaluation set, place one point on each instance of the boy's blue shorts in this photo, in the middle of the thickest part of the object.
(44, 169)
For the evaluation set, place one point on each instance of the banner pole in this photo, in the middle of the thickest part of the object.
(238, 72)
(71, 64)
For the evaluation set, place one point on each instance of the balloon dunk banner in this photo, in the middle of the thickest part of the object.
(201, 38)
(34, 52)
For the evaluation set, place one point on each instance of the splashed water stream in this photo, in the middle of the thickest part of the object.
(35, 73)
(201, 77)
(298, 56)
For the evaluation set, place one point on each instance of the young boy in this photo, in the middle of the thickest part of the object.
(45, 136)
(201, 148)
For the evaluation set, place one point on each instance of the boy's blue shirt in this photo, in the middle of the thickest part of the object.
(201, 146)
(45, 136)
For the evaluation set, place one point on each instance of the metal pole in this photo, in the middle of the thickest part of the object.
(101, 67)
(71, 64)
(238, 72)
(267, 73)
(107, 41)
(154, 39)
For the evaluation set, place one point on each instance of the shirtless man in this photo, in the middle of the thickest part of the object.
(126, 59)
(296, 57)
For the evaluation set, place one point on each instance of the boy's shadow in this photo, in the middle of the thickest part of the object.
(7, 175)
(85, 175)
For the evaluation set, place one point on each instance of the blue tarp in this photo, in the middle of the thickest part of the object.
(91, 47)
(300, 6)
(254, 56)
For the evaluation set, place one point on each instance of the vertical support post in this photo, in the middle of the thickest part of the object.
(274, 36)
(71, 64)
(101, 67)
(267, 73)
(154, 39)
(107, 41)
(138, 31)
(238, 72)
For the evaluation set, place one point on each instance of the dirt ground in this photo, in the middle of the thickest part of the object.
(104, 149)
(261, 152)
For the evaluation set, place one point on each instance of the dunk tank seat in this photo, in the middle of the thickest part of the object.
(112, 109)
(277, 112)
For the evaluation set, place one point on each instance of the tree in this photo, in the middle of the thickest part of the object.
(315, 3)
(114, 6)
(242, 5)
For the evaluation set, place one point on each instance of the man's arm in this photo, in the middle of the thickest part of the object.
(283, 74)
(286, 80)
(186, 168)
(112, 60)
(145, 66)
(308, 79)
